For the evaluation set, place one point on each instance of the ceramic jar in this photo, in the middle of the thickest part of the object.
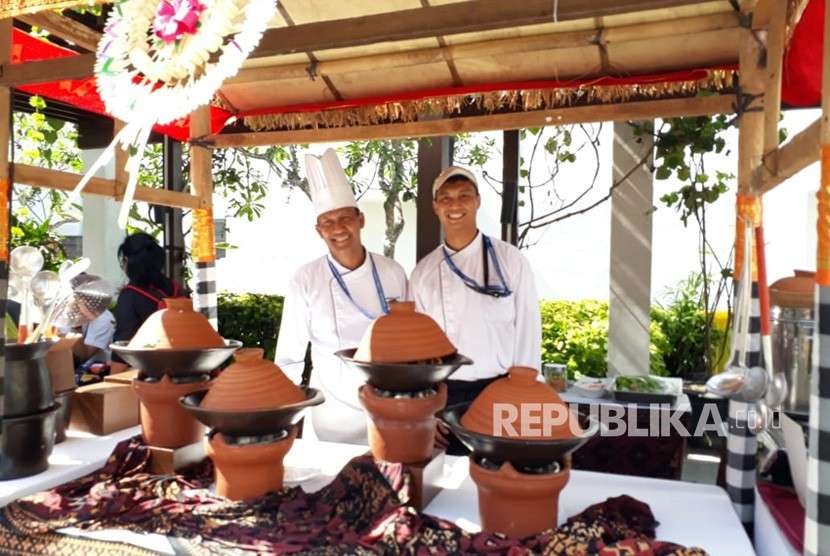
(251, 383)
(402, 430)
(251, 470)
(508, 397)
(403, 336)
(795, 292)
(177, 326)
(27, 388)
(517, 504)
(164, 423)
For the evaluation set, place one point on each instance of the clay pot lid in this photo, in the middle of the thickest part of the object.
(403, 336)
(794, 291)
(177, 326)
(251, 383)
(520, 387)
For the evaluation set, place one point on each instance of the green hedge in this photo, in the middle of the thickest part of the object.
(254, 319)
(573, 332)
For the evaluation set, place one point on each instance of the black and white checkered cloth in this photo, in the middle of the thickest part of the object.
(741, 443)
(4, 289)
(817, 522)
(204, 296)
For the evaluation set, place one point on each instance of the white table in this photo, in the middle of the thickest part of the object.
(689, 514)
(81, 453)
(768, 536)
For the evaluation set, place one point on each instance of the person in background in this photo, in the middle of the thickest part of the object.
(98, 329)
(332, 300)
(142, 260)
(480, 290)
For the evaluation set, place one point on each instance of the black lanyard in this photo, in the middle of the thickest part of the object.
(487, 251)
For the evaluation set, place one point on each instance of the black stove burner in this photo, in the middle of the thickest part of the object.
(426, 393)
(542, 469)
(184, 379)
(259, 439)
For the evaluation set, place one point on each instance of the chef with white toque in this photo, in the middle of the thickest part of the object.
(332, 300)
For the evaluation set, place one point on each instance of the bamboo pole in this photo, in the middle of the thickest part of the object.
(797, 153)
(34, 176)
(121, 157)
(650, 109)
(741, 444)
(203, 244)
(5, 143)
(70, 67)
(772, 91)
(65, 28)
(489, 48)
(817, 520)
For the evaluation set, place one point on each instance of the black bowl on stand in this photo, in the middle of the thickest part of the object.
(258, 422)
(405, 377)
(527, 453)
(175, 362)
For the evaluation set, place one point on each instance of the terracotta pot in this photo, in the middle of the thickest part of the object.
(163, 421)
(797, 291)
(517, 504)
(177, 326)
(403, 336)
(402, 430)
(250, 470)
(251, 383)
(521, 386)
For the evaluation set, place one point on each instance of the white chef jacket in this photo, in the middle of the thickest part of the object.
(317, 310)
(495, 332)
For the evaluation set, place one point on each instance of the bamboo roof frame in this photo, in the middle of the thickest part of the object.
(778, 17)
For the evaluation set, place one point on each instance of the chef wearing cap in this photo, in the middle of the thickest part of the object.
(480, 290)
(332, 300)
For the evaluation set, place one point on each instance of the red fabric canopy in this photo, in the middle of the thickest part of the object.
(801, 75)
(82, 93)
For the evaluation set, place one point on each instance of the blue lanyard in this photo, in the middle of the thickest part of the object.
(487, 252)
(384, 305)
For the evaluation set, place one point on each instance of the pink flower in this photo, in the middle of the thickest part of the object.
(175, 18)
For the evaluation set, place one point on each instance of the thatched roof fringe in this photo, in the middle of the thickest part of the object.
(490, 102)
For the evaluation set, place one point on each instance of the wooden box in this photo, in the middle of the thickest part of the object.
(104, 407)
(425, 478)
(167, 461)
(61, 364)
(125, 377)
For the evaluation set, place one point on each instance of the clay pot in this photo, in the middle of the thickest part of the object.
(27, 387)
(251, 383)
(177, 326)
(26, 443)
(250, 470)
(402, 430)
(63, 415)
(521, 387)
(163, 421)
(796, 292)
(517, 504)
(403, 336)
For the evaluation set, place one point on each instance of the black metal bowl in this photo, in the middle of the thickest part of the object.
(527, 453)
(175, 362)
(250, 423)
(405, 377)
(26, 443)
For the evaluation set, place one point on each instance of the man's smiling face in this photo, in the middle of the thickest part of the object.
(456, 204)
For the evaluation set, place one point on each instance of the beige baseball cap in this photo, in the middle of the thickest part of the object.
(450, 172)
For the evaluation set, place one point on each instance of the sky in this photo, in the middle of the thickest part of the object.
(571, 257)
